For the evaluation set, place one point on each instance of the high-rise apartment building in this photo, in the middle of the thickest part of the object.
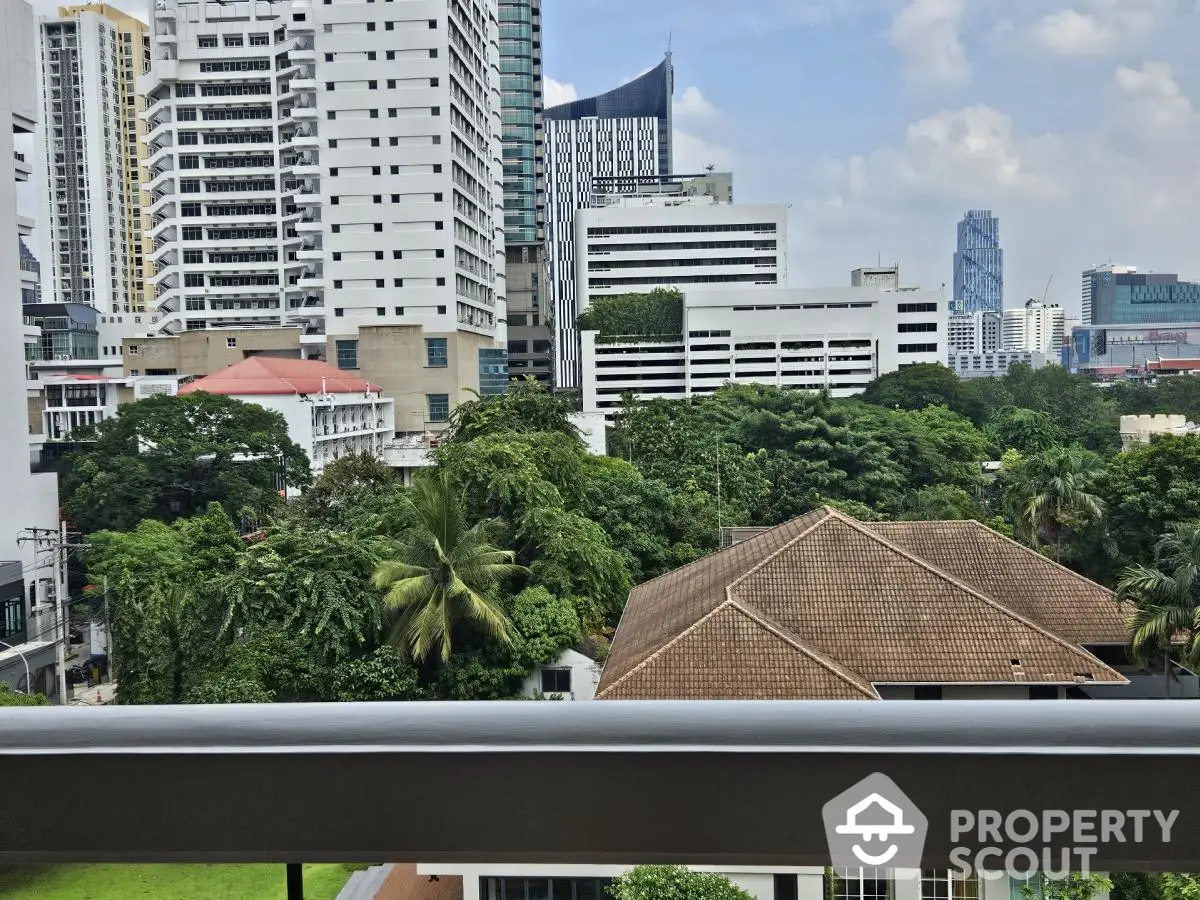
(336, 167)
(1035, 327)
(1120, 295)
(621, 134)
(30, 501)
(524, 188)
(679, 231)
(978, 264)
(91, 147)
(977, 332)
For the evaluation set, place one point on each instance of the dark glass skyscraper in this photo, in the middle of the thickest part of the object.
(978, 264)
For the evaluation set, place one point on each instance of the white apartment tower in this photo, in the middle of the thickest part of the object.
(328, 165)
(1035, 327)
(90, 146)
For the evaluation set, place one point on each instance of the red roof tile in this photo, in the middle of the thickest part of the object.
(262, 375)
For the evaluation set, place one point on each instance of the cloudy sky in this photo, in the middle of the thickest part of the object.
(880, 122)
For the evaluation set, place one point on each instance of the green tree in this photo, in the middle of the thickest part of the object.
(527, 407)
(545, 625)
(674, 883)
(307, 580)
(656, 314)
(1165, 597)
(1087, 416)
(354, 493)
(922, 385)
(384, 674)
(1025, 430)
(941, 502)
(1049, 497)
(1148, 489)
(9, 697)
(169, 457)
(1138, 886)
(1072, 886)
(443, 573)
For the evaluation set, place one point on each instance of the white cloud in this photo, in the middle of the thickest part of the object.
(693, 104)
(556, 92)
(693, 153)
(928, 35)
(1100, 26)
(1125, 185)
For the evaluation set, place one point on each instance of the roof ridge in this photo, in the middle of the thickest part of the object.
(758, 619)
(829, 511)
(834, 665)
(861, 527)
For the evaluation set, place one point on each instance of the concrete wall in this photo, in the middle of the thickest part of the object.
(202, 353)
(393, 356)
(585, 675)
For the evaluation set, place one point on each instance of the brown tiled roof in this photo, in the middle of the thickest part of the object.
(735, 654)
(405, 883)
(824, 606)
(1064, 602)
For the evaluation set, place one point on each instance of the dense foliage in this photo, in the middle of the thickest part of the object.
(168, 457)
(674, 883)
(632, 316)
(518, 544)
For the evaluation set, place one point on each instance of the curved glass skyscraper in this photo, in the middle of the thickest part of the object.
(625, 132)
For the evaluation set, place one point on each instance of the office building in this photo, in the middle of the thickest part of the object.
(884, 277)
(835, 339)
(30, 501)
(524, 189)
(1035, 327)
(978, 264)
(91, 147)
(977, 332)
(356, 151)
(1120, 295)
(981, 364)
(621, 134)
(679, 231)
(1123, 350)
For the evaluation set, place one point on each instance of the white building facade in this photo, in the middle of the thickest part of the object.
(329, 166)
(578, 151)
(636, 243)
(977, 332)
(89, 145)
(994, 362)
(835, 339)
(1034, 327)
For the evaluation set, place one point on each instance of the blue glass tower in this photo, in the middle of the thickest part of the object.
(978, 264)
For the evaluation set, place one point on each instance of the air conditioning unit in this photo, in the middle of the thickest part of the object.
(63, 357)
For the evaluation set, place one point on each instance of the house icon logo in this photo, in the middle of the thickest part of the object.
(874, 823)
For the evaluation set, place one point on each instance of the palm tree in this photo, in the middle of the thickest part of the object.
(1048, 496)
(1166, 597)
(443, 573)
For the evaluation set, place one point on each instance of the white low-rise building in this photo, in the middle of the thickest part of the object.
(993, 362)
(835, 339)
(329, 412)
(71, 401)
(1035, 327)
(1141, 429)
(572, 676)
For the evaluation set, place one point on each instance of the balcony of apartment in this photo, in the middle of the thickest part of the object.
(21, 166)
(311, 249)
(304, 136)
(307, 164)
(164, 32)
(303, 49)
(312, 277)
(312, 333)
(25, 226)
(305, 78)
(305, 108)
(310, 308)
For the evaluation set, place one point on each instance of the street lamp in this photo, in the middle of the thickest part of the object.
(28, 680)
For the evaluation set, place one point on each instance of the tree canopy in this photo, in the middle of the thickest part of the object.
(168, 457)
(674, 883)
(656, 314)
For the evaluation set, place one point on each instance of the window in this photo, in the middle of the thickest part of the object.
(441, 310)
(337, 255)
(438, 406)
(389, 26)
(943, 884)
(441, 282)
(193, 257)
(435, 353)
(397, 282)
(435, 110)
(397, 254)
(206, 41)
(863, 884)
(233, 40)
(12, 616)
(399, 310)
(1043, 692)
(916, 307)
(912, 327)
(338, 312)
(379, 254)
(193, 279)
(347, 354)
(371, 26)
(379, 282)
(262, 39)
(337, 284)
(917, 348)
(787, 887)
(380, 311)
(556, 681)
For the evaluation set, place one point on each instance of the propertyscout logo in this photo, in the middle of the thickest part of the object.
(875, 824)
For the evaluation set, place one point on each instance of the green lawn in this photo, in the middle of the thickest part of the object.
(177, 882)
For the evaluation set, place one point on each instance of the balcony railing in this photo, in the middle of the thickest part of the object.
(701, 783)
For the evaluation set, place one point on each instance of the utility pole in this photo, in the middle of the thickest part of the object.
(58, 542)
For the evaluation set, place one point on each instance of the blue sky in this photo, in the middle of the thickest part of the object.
(881, 121)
